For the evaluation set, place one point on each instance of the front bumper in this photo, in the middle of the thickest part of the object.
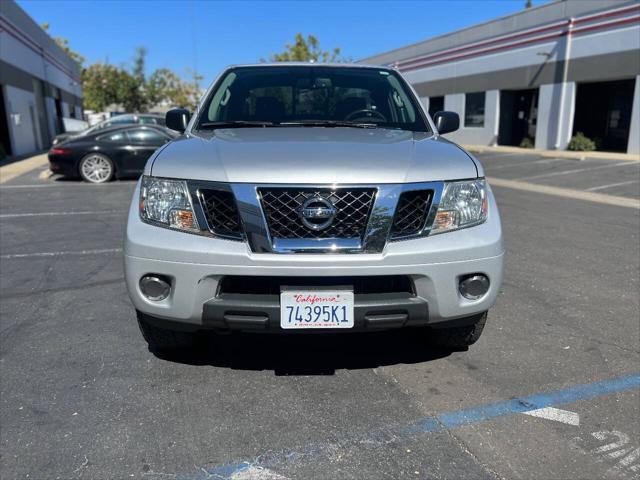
(196, 265)
(262, 312)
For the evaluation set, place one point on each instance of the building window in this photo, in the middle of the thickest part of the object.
(474, 109)
(436, 104)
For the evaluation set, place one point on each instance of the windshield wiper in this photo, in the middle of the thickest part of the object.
(327, 123)
(235, 124)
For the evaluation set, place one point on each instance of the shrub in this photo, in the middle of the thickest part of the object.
(580, 143)
(526, 143)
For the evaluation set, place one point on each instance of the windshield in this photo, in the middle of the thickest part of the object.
(316, 96)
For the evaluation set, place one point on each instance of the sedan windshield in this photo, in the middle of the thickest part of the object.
(314, 96)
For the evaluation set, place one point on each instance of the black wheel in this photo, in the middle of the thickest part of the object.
(161, 339)
(459, 337)
(96, 168)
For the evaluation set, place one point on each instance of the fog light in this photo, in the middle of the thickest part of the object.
(474, 286)
(155, 288)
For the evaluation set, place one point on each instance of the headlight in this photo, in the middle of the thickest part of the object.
(167, 203)
(463, 204)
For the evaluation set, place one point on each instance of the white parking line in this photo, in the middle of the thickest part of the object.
(501, 155)
(556, 414)
(578, 170)
(518, 164)
(56, 214)
(59, 254)
(611, 185)
(566, 193)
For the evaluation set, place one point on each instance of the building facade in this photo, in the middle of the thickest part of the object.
(537, 77)
(39, 84)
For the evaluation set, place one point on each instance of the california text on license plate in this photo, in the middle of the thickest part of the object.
(316, 309)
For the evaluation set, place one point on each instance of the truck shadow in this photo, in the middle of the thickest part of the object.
(309, 354)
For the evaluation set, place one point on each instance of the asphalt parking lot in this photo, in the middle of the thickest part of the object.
(551, 390)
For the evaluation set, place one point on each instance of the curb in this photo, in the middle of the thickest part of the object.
(631, 157)
(20, 167)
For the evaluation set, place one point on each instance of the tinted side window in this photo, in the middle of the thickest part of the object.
(115, 137)
(146, 136)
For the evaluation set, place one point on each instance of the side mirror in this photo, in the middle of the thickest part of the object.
(177, 119)
(446, 122)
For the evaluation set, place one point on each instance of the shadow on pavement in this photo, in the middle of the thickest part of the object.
(309, 354)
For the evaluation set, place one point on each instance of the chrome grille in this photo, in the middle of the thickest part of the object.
(411, 213)
(282, 206)
(221, 212)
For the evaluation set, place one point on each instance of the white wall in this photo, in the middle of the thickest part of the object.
(634, 131)
(425, 103)
(551, 134)
(20, 122)
(568, 112)
(486, 135)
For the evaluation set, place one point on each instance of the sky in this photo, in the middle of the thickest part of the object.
(210, 35)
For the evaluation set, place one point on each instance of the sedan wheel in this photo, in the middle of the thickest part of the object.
(96, 168)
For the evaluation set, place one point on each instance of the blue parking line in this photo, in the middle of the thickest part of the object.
(453, 419)
(586, 391)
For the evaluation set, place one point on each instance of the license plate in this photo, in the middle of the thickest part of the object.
(316, 309)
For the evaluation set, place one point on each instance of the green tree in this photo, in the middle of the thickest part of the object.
(139, 62)
(133, 89)
(528, 4)
(101, 86)
(164, 86)
(130, 92)
(129, 88)
(305, 50)
(105, 85)
(63, 43)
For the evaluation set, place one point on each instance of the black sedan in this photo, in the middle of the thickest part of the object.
(117, 152)
(117, 121)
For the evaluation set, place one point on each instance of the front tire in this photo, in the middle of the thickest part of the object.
(459, 338)
(162, 339)
(96, 168)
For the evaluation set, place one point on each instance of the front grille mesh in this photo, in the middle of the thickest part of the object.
(411, 213)
(282, 205)
(221, 212)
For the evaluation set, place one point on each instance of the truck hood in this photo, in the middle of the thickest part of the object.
(312, 155)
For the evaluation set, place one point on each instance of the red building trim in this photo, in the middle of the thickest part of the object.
(559, 29)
